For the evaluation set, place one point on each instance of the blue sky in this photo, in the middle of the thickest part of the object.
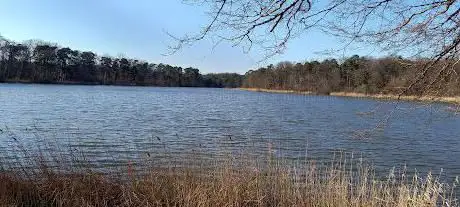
(136, 29)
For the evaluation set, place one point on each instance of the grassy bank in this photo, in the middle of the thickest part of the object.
(52, 176)
(340, 183)
(454, 100)
(276, 91)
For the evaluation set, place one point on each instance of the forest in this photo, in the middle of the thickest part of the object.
(385, 75)
(36, 61)
(41, 62)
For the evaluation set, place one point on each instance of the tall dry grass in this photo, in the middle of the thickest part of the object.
(441, 99)
(341, 182)
(47, 178)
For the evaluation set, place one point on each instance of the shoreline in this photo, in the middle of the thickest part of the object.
(76, 83)
(276, 91)
(451, 100)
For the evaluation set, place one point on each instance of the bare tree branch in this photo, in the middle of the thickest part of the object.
(425, 28)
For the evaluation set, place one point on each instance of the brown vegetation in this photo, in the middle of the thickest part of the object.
(453, 100)
(271, 182)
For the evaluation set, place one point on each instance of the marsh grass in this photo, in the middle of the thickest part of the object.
(232, 181)
(427, 99)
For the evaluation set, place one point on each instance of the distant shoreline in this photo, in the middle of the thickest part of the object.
(442, 99)
(452, 100)
(77, 83)
(52, 82)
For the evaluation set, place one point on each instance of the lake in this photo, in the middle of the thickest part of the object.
(112, 124)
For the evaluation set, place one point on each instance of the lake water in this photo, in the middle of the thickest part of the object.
(111, 124)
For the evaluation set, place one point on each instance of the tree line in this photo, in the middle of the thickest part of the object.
(388, 75)
(428, 29)
(41, 62)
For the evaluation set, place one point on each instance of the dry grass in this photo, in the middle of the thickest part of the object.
(276, 91)
(275, 183)
(49, 178)
(454, 100)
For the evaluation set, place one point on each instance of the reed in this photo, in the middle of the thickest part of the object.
(277, 91)
(342, 181)
(442, 99)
